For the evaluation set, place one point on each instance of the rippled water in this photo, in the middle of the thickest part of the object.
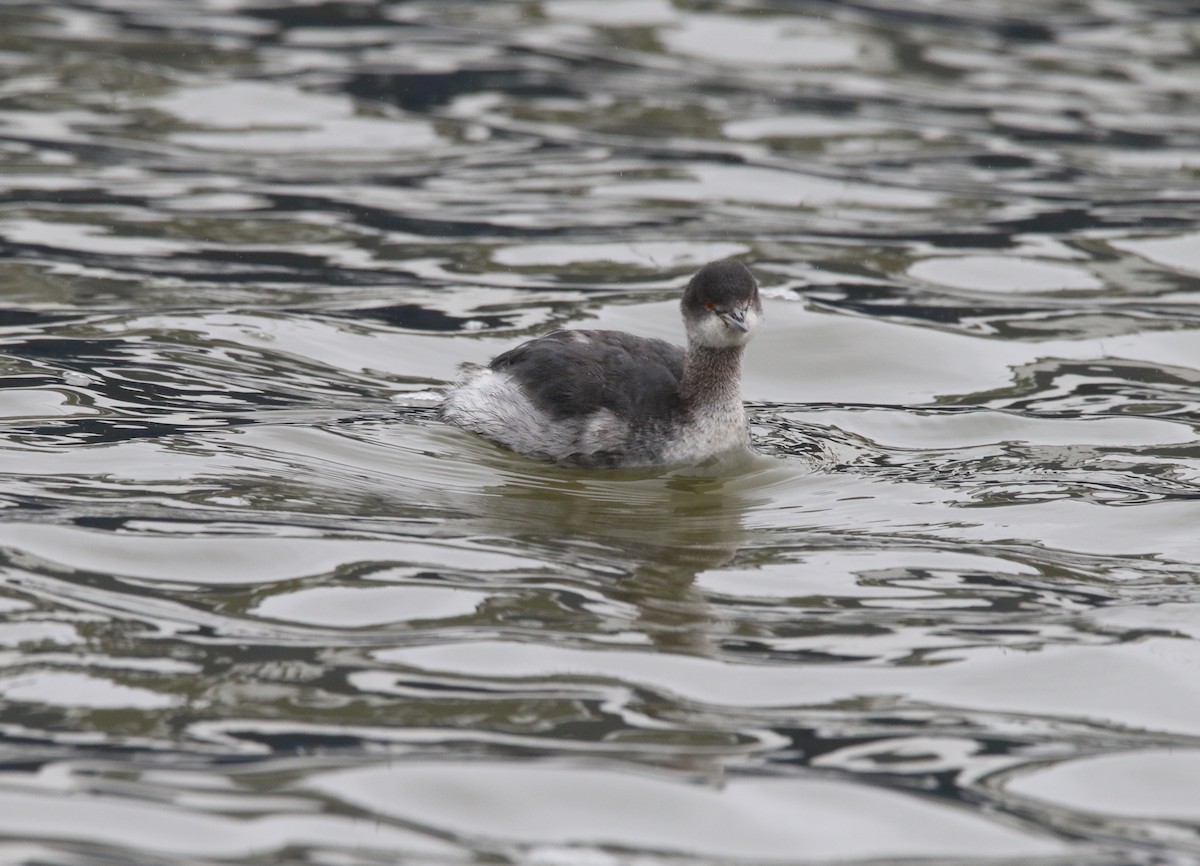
(259, 607)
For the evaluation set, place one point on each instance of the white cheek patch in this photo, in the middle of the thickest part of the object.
(712, 331)
(754, 318)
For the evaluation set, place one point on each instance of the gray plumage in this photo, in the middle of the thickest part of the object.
(607, 398)
(571, 374)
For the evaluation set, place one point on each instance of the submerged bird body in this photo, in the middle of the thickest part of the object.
(608, 398)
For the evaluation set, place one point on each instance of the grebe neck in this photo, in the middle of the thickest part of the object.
(712, 376)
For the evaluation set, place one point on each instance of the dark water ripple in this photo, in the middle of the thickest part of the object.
(256, 605)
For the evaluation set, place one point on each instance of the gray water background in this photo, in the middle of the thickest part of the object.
(259, 607)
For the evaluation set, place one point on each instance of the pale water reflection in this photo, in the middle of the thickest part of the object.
(758, 819)
(258, 606)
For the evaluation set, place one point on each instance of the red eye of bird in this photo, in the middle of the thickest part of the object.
(709, 305)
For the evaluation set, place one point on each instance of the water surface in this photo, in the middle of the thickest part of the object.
(260, 607)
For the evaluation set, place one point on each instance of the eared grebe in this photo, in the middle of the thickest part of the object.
(607, 398)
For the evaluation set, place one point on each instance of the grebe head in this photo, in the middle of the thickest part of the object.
(721, 307)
